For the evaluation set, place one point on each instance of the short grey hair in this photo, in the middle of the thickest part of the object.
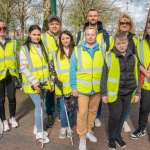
(90, 27)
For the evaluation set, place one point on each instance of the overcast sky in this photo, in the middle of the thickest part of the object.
(136, 8)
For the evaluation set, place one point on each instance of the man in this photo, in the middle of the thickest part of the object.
(50, 40)
(8, 73)
(85, 77)
(93, 20)
(102, 38)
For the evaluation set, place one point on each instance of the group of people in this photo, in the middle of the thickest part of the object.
(98, 69)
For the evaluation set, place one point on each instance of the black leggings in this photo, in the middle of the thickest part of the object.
(117, 113)
(8, 85)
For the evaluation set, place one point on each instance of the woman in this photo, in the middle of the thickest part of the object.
(62, 66)
(8, 73)
(143, 53)
(125, 24)
(35, 71)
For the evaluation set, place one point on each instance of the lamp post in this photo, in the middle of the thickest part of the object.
(53, 7)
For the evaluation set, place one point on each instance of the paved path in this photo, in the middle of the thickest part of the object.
(22, 137)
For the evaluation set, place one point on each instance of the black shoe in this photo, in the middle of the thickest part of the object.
(120, 142)
(50, 121)
(112, 144)
(137, 133)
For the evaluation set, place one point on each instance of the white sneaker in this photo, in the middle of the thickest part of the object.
(68, 132)
(82, 144)
(97, 122)
(35, 130)
(58, 119)
(13, 122)
(62, 133)
(126, 127)
(6, 126)
(42, 137)
(91, 137)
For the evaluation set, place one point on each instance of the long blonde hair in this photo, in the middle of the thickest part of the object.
(128, 17)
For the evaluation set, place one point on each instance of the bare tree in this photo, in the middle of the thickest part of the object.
(62, 4)
(22, 7)
(46, 13)
(6, 10)
(36, 13)
(77, 12)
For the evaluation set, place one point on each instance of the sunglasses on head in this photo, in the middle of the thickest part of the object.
(3, 28)
(125, 23)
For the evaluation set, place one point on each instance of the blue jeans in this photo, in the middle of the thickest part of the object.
(50, 103)
(127, 114)
(63, 118)
(99, 110)
(37, 112)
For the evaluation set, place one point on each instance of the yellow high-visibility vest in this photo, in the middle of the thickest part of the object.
(89, 71)
(62, 68)
(114, 76)
(8, 60)
(49, 42)
(39, 69)
(143, 52)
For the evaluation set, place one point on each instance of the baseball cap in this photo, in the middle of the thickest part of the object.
(54, 18)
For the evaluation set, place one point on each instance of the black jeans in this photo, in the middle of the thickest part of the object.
(8, 85)
(117, 112)
(50, 103)
(144, 108)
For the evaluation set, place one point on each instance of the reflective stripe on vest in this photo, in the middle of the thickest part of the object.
(51, 51)
(62, 67)
(114, 76)
(40, 80)
(81, 69)
(89, 71)
(38, 69)
(8, 60)
(143, 52)
(32, 69)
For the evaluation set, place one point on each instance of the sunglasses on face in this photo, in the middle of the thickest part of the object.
(3, 28)
(125, 23)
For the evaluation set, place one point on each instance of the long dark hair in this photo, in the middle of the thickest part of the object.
(28, 42)
(71, 46)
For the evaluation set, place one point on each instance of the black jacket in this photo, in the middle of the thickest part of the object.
(131, 45)
(127, 82)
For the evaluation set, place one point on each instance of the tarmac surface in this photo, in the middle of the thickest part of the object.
(22, 138)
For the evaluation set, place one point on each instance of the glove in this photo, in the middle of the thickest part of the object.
(59, 83)
(17, 82)
(72, 104)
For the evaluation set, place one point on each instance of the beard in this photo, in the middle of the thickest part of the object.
(93, 23)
